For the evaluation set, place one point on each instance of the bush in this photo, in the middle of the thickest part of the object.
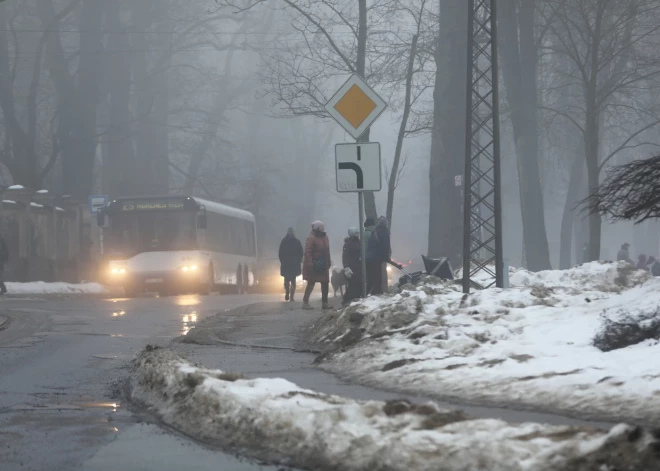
(628, 330)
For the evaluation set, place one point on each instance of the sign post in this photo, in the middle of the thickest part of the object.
(355, 107)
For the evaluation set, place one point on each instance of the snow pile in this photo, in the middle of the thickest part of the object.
(530, 346)
(41, 287)
(276, 419)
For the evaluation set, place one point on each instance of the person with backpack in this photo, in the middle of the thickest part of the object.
(351, 259)
(4, 258)
(291, 255)
(379, 252)
(316, 264)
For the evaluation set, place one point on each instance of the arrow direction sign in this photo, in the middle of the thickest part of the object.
(358, 167)
(355, 106)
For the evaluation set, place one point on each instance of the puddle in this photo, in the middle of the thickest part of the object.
(119, 313)
(188, 321)
(187, 300)
(113, 356)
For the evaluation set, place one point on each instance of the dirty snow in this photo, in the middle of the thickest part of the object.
(41, 287)
(275, 419)
(529, 346)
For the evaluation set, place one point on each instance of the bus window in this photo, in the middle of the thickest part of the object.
(153, 231)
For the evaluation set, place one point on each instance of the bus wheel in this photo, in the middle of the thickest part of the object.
(207, 287)
(239, 280)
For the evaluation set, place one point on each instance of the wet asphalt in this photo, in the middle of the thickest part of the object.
(64, 362)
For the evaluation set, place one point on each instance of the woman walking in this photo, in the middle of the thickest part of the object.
(291, 254)
(316, 264)
(351, 258)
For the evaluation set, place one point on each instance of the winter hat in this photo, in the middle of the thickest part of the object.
(318, 226)
(353, 232)
(369, 222)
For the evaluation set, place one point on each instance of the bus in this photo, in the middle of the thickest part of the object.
(176, 244)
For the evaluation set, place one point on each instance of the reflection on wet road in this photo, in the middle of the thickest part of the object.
(63, 364)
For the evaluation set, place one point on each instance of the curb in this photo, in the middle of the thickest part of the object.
(4, 322)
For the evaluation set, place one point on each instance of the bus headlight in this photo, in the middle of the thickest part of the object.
(189, 268)
(118, 271)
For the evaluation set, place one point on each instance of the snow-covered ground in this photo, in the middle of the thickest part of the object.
(530, 346)
(276, 419)
(41, 287)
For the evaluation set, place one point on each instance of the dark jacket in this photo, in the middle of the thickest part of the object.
(623, 254)
(317, 247)
(291, 255)
(655, 268)
(351, 254)
(641, 262)
(378, 247)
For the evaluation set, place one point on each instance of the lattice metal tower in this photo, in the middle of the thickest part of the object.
(482, 208)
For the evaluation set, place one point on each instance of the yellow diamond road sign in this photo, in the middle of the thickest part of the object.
(355, 106)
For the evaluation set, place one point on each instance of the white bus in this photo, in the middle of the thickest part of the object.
(175, 244)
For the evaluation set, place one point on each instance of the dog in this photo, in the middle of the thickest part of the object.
(338, 280)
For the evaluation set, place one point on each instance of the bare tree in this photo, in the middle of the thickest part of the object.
(630, 192)
(520, 54)
(608, 45)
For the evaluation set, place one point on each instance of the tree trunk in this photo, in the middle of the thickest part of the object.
(151, 105)
(448, 134)
(394, 174)
(118, 170)
(519, 58)
(78, 162)
(592, 154)
(569, 215)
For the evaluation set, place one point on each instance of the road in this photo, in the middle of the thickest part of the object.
(64, 362)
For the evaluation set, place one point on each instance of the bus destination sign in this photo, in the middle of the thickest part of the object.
(151, 205)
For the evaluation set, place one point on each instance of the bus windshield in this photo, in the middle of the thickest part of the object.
(148, 231)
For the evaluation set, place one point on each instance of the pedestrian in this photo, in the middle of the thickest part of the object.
(369, 226)
(351, 259)
(4, 258)
(641, 262)
(624, 254)
(291, 255)
(654, 266)
(378, 253)
(316, 264)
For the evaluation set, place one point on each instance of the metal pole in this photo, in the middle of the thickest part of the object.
(363, 245)
(467, 178)
(499, 258)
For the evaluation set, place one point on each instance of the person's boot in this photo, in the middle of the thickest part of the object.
(293, 292)
(306, 305)
(326, 306)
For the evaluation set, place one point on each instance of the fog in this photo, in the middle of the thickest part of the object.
(224, 100)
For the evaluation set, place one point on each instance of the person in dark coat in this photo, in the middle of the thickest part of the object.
(641, 262)
(624, 254)
(4, 258)
(379, 252)
(291, 255)
(351, 258)
(316, 264)
(654, 266)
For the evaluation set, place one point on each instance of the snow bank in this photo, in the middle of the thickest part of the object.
(276, 419)
(529, 346)
(41, 287)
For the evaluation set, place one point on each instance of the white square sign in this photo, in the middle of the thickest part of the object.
(358, 167)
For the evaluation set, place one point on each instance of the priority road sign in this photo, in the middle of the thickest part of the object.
(97, 202)
(355, 106)
(358, 167)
